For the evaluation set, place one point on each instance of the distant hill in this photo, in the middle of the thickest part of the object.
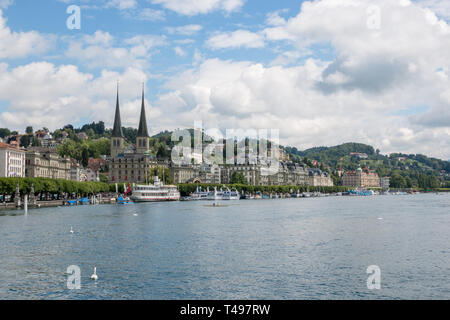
(319, 153)
(409, 169)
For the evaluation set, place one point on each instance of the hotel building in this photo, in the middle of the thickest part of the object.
(12, 161)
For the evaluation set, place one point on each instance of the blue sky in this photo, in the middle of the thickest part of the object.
(49, 17)
(322, 72)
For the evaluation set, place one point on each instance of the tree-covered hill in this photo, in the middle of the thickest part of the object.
(405, 170)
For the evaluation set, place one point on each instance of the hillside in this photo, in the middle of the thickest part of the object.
(406, 170)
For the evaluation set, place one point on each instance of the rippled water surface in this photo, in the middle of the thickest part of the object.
(254, 249)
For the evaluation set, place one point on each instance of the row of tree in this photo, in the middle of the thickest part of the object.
(422, 181)
(187, 189)
(53, 186)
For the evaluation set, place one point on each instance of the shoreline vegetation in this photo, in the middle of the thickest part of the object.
(56, 192)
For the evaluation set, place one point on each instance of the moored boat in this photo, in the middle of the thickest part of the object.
(215, 195)
(199, 194)
(155, 192)
(231, 195)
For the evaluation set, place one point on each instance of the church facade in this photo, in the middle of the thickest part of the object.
(130, 163)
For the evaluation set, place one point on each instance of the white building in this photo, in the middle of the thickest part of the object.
(89, 175)
(12, 161)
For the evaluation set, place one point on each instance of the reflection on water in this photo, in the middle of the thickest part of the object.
(254, 249)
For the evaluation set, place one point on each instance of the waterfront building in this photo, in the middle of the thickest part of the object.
(12, 161)
(204, 173)
(289, 173)
(251, 172)
(131, 163)
(47, 164)
(385, 182)
(318, 178)
(210, 174)
(133, 168)
(361, 178)
(75, 170)
(182, 173)
(89, 175)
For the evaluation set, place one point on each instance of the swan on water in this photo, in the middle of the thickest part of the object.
(94, 276)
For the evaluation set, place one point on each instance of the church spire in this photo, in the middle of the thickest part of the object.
(117, 130)
(143, 131)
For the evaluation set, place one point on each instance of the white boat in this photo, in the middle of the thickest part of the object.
(200, 195)
(231, 195)
(155, 192)
(215, 195)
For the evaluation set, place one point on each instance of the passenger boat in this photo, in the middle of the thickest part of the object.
(155, 192)
(200, 195)
(231, 195)
(215, 195)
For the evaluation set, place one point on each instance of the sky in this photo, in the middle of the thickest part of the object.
(323, 72)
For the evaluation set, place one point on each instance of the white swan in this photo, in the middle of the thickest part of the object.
(94, 276)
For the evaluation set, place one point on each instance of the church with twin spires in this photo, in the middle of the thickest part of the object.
(129, 163)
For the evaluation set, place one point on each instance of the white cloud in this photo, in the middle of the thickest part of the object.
(122, 4)
(387, 60)
(228, 94)
(99, 50)
(236, 39)
(5, 3)
(20, 44)
(179, 51)
(148, 14)
(440, 7)
(186, 30)
(274, 18)
(42, 94)
(194, 7)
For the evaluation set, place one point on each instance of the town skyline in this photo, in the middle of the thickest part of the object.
(235, 64)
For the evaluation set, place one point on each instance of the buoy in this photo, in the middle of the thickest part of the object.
(94, 276)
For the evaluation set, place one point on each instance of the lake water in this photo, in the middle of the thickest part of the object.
(317, 248)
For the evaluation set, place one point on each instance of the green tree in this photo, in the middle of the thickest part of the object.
(4, 132)
(103, 178)
(29, 130)
(163, 174)
(397, 181)
(238, 178)
(85, 157)
(25, 141)
(162, 151)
